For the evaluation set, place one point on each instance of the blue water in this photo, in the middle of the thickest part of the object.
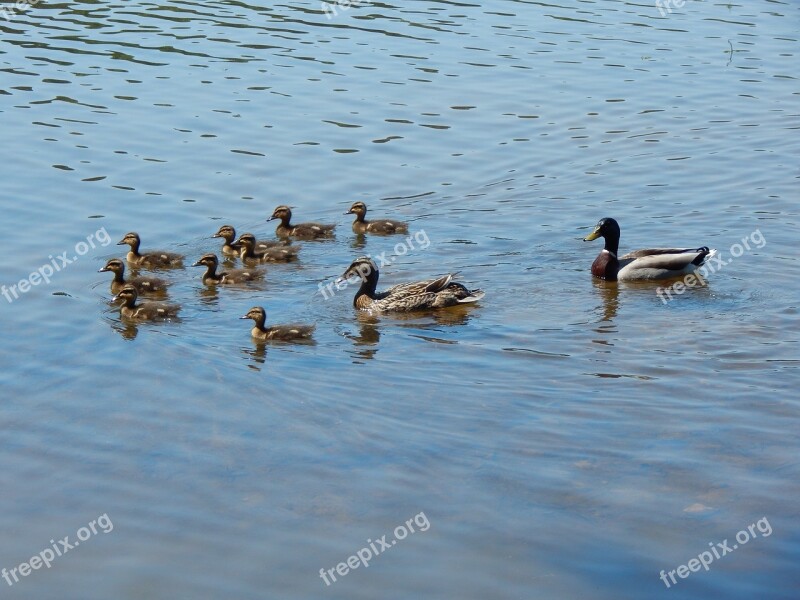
(564, 438)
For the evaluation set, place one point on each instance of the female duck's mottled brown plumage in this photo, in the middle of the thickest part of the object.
(155, 259)
(251, 254)
(383, 226)
(432, 293)
(307, 231)
(146, 311)
(276, 332)
(228, 233)
(642, 265)
(143, 285)
(211, 262)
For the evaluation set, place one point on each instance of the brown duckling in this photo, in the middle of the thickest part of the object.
(651, 264)
(228, 233)
(276, 332)
(146, 311)
(308, 231)
(383, 226)
(143, 285)
(211, 262)
(249, 252)
(155, 259)
(431, 293)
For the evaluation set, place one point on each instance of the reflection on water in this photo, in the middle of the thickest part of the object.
(555, 432)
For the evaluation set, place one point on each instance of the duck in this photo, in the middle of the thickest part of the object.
(309, 231)
(383, 226)
(642, 265)
(249, 252)
(143, 285)
(231, 248)
(146, 311)
(276, 332)
(405, 297)
(211, 262)
(150, 259)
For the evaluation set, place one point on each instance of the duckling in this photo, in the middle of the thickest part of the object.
(432, 293)
(150, 259)
(642, 265)
(211, 262)
(276, 332)
(384, 226)
(309, 231)
(147, 311)
(249, 253)
(228, 233)
(143, 285)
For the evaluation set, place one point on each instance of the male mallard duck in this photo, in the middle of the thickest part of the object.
(147, 311)
(228, 233)
(143, 285)
(211, 262)
(276, 332)
(641, 265)
(249, 252)
(307, 231)
(432, 293)
(384, 226)
(150, 259)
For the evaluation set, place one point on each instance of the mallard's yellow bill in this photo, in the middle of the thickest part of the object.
(592, 236)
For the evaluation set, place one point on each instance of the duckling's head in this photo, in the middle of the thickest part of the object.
(114, 265)
(131, 239)
(248, 240)
(359, 209)
(362, 267)
(227, 232)
(207, 260)
(606, 228)
(257, 313)
(127, 294)
(283, 212)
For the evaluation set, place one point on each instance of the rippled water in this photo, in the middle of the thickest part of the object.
(565, 438)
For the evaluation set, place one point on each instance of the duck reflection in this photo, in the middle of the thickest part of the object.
(609, 296)
(365, 343)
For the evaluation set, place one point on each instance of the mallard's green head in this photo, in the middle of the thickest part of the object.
(606, 228)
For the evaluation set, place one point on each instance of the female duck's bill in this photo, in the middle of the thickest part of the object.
(650, 264)
(428, 294)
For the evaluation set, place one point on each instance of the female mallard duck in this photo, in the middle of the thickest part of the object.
(249, 252)
(276, 332)
(147, 311)
(384, 226)
(150, 259)
(211, 262)
(432, 293)
(308, 231)
(143, 285)
(641, 265)
(228, 233)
